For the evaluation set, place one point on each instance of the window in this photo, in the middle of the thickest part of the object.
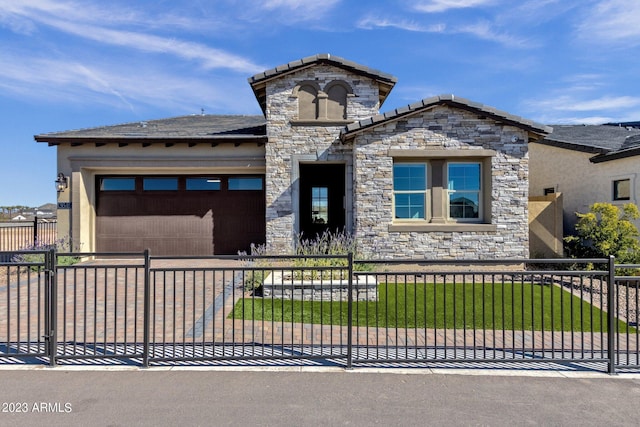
(307, 103)
(622, 189)
(549, 190)
(327, 105)
(245, 184)
(160, 184)
(464, 191)
(410, 190)
(337, 101)
(320, 205)
(117, 184)
(203, 184)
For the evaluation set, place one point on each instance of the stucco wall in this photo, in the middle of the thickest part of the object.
(581, 182)
(291, 143)
(459, 132)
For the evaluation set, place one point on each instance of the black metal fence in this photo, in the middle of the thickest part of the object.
(20, 235)
(133, 308)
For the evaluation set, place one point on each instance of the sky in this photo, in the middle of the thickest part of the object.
(73, 64)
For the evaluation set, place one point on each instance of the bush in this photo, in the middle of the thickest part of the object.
(338, 243)
(61, 245)
(604, 231)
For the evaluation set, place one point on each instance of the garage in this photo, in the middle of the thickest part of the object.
(179, 214)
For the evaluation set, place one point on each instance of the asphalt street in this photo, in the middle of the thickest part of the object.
(299, 397)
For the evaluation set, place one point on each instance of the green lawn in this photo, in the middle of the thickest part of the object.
(510, 306)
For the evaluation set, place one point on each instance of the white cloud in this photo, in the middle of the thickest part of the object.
(611, 21)
(485, 31)
(373, 22)
(570, 103)
(208, 57)
(435, 6)
(125, 86)
(93, 23)
(306, 6)
(287, 12)
(482, 30)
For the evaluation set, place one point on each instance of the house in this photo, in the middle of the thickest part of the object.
(444, 177)
(587, 164)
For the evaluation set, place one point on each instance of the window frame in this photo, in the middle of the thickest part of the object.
(245, 179)
(102, 179)
(150, 179)
(193, 179)
(479, 192)
(426, 192)
(615, 191)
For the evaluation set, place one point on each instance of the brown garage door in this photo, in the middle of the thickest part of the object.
(180, 215)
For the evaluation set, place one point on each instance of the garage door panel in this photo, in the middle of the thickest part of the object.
(164, 235)
(180, 222)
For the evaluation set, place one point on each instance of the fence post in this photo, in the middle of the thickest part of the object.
(350, 312)
(52, 324)
(611, 319)
(35, 232)
(146, 309)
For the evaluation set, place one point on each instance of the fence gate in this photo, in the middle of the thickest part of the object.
(25, 289)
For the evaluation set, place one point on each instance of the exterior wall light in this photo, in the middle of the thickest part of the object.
(62, 183)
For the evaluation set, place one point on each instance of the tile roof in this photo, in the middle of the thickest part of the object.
(322, 58)
(194, 127)
(608, 142)
(257, 82)
(451, 100)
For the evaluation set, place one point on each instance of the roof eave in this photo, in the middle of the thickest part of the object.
(616, 155)
(573, 146)
(428, 103)
(234, 139)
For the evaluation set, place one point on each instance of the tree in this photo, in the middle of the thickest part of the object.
(607, 230)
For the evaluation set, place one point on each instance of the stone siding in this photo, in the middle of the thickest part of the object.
(442, 128)
(290, 142)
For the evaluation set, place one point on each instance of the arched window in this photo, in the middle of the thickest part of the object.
(325, 105)
(307, 94)
(337, 92)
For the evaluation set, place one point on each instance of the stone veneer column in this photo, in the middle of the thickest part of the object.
(289, 140)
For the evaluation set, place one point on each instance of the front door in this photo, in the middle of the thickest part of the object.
(322, 199)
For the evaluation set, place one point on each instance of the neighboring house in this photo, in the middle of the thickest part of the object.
(442, 178)
(19, 218)
(587, 164)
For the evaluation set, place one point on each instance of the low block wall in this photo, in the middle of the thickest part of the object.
(285, 286)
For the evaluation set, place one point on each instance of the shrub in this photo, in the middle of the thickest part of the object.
(61, 245)
(338, 244)
(604, 231)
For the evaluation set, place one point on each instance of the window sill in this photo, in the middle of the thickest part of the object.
(445, 228)
(320, 122)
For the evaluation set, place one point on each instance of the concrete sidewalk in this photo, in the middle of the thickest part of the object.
(301, 397)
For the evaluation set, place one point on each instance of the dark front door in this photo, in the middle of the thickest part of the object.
(322, 198)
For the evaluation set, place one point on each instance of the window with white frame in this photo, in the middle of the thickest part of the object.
(464, 185)
(410, 191)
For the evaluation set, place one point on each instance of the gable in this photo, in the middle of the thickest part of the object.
(535, 130)
(259, 81)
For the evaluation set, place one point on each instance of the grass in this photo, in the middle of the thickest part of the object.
(509, 306)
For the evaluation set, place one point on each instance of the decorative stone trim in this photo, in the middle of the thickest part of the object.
(444, 228)
(441, 154)
(320, 122)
